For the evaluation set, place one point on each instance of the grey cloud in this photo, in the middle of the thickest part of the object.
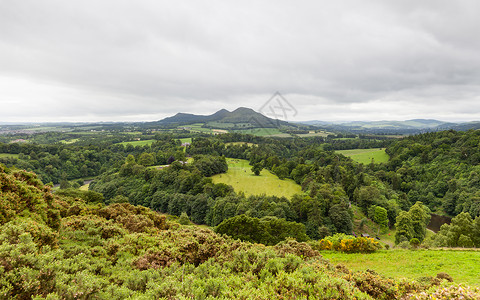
(121, 59)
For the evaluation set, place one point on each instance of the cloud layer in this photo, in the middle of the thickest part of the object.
(140, 61)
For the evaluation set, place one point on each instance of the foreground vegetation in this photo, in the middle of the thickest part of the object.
(60, 247)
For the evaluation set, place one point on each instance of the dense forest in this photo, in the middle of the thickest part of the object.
(56, 162)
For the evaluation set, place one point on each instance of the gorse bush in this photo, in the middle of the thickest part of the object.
(359, 244)
(347, 243)
(22, 194)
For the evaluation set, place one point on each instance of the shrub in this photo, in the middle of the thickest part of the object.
(92, 225)
(41, 234)
(184, 219)
(348, 244)
(291, 246)
(449, 292)
(374, 285)
(414, 242)
(134, 218)
(445, 276)
(359, 244)
(323, 245)
(404, 245)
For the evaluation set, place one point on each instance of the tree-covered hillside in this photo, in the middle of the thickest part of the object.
(440, 169)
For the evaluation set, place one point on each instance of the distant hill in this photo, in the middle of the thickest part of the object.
(183, 118)
(241, 115)
(410, 124)
(395, 127)
(465, 126)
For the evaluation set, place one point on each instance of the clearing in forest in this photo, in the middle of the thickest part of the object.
(185, 140)
(8, 155)
(365, 156)
(138, 143)
(241, 177)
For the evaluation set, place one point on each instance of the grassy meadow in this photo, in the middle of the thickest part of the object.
(197, 127)
(239, 143)
(242, 179)
(313, 134)
(84, 187)
(71, 141)
(365, 156)
(8, 155)
(462, 265)
(261, 131)
(138, 143)
(185, 140)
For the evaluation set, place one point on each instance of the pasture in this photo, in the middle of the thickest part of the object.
(462, 265)
(8, 155)
(71, 141)
(239, 143)
(365, 156)
(197, 127)
(314, 134)
(138, 143)
(84, 187)
(240, 176)
(261, 131)
(185, 140)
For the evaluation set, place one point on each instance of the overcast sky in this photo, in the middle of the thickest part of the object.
(114, 60)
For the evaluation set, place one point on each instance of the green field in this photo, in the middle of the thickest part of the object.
(242, 179)
(239, 143)
(463, 266)
(365, 156)
(221, 125)
(313, 134)
(69, 141)
(84, 187)
(185, 140)
(47, 128)
(8, 155)
(197, 128)
(92, 133)
(261, 131)
(138, 143)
